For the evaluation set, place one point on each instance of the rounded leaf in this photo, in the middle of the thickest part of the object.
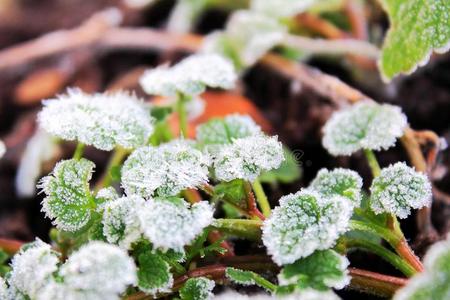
(165, 170)
(398, 189)
(303, 223)
(154, 273)
(99, 120)
(365, 125)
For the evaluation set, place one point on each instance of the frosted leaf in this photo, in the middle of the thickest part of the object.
(342, 182)
(247, 37)
(244, 277)
(303, 223)
(280, 8)
(165, 170)
(104, 196)
(365, 125)
(2, 149)
(306, 294)
(32, 268)
(197, 289)
(69, 201)
(121, 225)
(321, 270)
(3, 289)
(247, 157)
(417, 28)
(154, 273)
(399, 188)
(173, 223)
(226, 130)
(190, 76)
(39, 149)
(100, 120)
(98, 268)
(433, 282)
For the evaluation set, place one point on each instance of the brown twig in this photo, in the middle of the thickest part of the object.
(320, 26)
(374, 283)
(10, 246)
(252, 208)
(356, 16)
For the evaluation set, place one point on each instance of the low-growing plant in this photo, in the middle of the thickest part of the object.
(167, 205)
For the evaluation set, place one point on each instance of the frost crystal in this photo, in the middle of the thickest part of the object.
(104, 196)
(433, 282)
(247, 157)
(303, 223)
(172, 223)
(165, 170)
(342, 182)
(3, 289)
(247, 37)
(95, 269)
(321, 270)
(100, 120)
(226, 130)
(280, 8)
(120, 222)
(365, 125)
(197, 289)
(398, 189)
(68, 200)
(32, 268)
(190, 77)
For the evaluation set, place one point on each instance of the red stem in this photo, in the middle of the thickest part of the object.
(10, 246)
(375, 283)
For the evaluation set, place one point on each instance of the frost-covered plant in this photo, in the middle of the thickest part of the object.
(197, 289)
(433, 282)
(171, 223)
(342, 182)
(101, 120)
(399, 188)
(365, 125)
(303, 223)
(165, 170)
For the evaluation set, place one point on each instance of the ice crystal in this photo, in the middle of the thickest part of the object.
(68, 200)
(2, 149)
(433, 282)
(165, 170)
(303, 223)
(365, 125)
(100, 120)
(226, 130)
(321, 270)
(190, 76)
(32, 269)
(154, 273)
(398, 189)
(39, 149)
(172, 223)
(343, 182)
(247, 157)
(104, 196)
(121, 225)
(96, 271)
(197, 289)
(248, 36)
(280, 8)
(3, 289)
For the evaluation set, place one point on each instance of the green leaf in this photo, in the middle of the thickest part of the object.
(417, 28)
(160, 113)
(197, 289)
(153, 273)
(288, 172)
(249, 278)
(232, 192)
(321, 270)
(69, 201)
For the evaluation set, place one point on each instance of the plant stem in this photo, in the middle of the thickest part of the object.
(382, 252)
(262, 282)
(10, 246)
(261, 198)
(114, 161)
(250, 229)
(373, 163)
(375, 283)
(182, 114)
(78, 151)
(251, 202)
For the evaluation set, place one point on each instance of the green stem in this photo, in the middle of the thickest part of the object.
(264, 283)
(261, 198)
(386, 234)
(182, 114)
(382, 252)
(114, 161)
(373, 163)
(78, 151)
(249, 229)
